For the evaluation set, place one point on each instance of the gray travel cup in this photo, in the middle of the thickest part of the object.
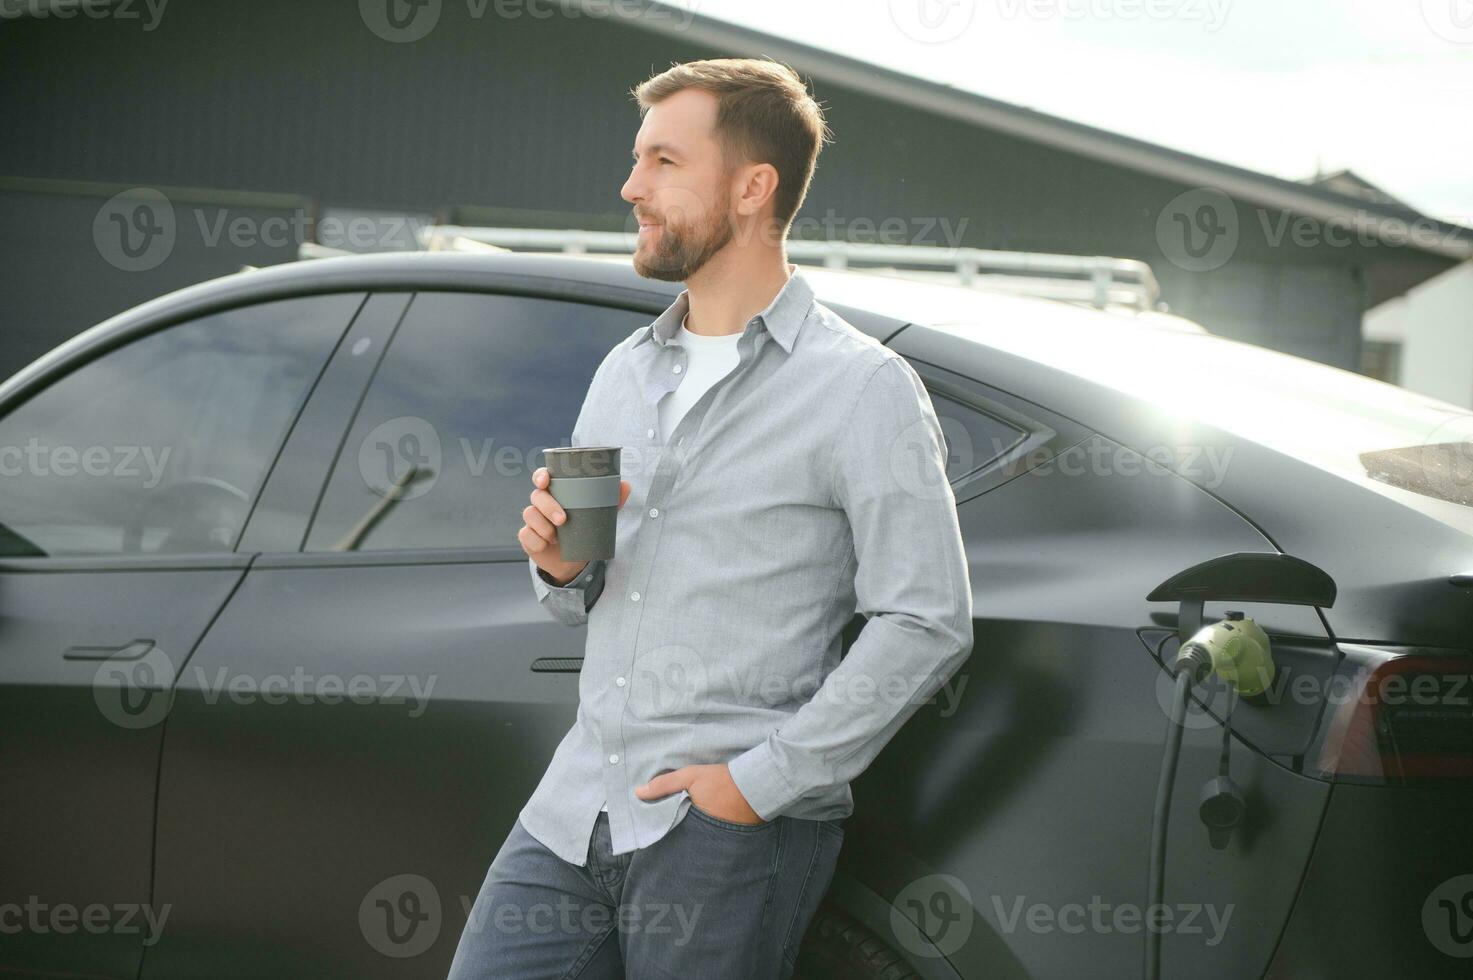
(585, 483)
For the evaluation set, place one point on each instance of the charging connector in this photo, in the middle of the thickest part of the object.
(1192, 665)
(1238, 651)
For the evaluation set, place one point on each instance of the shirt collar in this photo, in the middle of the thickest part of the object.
(783, 317)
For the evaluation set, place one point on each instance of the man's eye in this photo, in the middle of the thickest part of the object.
(663, 160)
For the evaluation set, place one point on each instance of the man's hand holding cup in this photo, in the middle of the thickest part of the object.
(539, 535)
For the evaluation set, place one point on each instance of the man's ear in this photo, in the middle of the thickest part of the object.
(758, 185)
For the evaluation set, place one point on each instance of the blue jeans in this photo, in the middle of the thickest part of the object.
(711, 900)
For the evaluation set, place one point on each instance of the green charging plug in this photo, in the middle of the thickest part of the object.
(1238, 650)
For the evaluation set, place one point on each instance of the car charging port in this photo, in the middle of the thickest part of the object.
(1238, 651)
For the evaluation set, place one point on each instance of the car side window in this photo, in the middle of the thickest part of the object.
(973, 437)
(992, 436)
(161, 445)
(471, 389)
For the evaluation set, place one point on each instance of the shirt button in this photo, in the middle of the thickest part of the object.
(677, 369)
(620, 681)
(654, 512)
(614, 759)
(650, 433)
(634, 596)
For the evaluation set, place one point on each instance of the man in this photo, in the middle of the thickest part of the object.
(783, 471)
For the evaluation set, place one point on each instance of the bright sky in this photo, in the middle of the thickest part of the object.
(1382, 87)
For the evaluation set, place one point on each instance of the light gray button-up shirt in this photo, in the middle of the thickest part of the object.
(806, 485)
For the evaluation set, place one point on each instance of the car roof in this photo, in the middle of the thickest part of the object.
(913, 300)
(877, 304)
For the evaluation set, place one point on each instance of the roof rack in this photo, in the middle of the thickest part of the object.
(1097, 281)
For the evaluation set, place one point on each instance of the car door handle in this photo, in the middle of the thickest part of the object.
(133, 650)
(557, 665)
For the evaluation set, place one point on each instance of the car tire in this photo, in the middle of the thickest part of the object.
(838, 946)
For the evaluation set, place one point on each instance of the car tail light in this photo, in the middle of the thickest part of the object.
(1399, 719)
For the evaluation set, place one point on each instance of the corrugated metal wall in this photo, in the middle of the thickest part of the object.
(523, 117)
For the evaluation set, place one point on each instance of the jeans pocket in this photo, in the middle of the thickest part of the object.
(828, 837)
(746, 828)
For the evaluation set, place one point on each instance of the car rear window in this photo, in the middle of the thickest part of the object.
(1357, 427)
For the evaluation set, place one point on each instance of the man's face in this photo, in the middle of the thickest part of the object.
(679, 187)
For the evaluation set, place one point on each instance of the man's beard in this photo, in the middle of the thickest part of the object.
(679, 255)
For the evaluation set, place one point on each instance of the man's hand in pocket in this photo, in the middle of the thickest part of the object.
(710, 787)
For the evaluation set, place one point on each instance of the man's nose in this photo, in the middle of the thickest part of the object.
(633, 190)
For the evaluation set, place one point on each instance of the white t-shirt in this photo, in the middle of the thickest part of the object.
(708, 360)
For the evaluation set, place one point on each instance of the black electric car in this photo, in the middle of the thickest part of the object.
(274, 683)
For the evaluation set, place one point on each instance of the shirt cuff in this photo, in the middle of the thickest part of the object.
(579, 581)
(569, 603)
(757, 775)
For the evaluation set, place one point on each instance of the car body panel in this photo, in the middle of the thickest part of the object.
(1038, 785)
(337, 795)
(307, 833)
(1391, 568)
(87, 655)
(1409, 888)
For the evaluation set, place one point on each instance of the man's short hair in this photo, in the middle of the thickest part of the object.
(764, 114)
